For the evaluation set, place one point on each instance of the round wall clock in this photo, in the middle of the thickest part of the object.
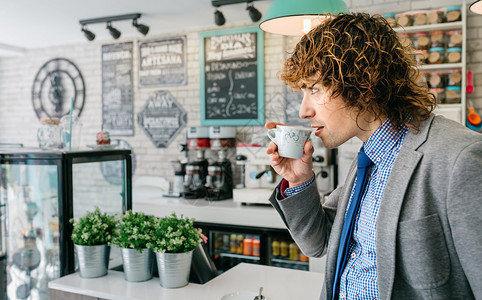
(56, 83)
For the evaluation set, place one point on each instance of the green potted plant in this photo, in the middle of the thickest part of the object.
(134, 232)
(175, 238)
(91, 236)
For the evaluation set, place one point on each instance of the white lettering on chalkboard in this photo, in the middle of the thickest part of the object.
(116, 55)
(161, 123)
(231, 41)
(244, 75)
(160, 60)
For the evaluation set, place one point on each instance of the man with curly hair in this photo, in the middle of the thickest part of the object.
(416, 231)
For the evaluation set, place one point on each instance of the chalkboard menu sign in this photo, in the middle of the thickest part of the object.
(232, 77)
(117, 89)
(162, 118)
(162, 62)
(292, 108)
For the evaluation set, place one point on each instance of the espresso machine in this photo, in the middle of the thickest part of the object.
(219, 182)
(197, 170)
(259, 179)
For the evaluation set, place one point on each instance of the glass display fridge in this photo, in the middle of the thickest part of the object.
(40, 191)
(229, 245)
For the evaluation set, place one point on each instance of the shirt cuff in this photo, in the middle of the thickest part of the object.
(287, 191)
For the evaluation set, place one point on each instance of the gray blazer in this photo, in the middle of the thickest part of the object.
(429, 231)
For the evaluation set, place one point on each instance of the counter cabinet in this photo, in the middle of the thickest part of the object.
(40, 191)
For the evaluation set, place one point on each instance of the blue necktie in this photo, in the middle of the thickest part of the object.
(361, 176)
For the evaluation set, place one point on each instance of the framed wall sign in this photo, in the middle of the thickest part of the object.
(162, 62)
(232, 77)
(162, 118)
(117, 89)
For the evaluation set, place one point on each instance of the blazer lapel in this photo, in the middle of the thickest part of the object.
(391, 204)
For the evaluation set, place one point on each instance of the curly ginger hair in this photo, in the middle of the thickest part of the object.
(360, 57)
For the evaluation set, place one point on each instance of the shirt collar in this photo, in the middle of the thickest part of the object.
(384, 139)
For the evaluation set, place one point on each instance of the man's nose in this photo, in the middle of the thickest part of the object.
(306, 110)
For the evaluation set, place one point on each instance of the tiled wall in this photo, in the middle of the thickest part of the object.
(18, 122)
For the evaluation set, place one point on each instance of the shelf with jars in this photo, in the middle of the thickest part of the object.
(438, 37)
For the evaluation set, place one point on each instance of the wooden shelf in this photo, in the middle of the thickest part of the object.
(430, 27)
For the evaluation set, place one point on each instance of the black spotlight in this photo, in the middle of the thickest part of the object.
(219, 18)
(254, 14)
(140, 27)
(113, 32)
(88, 34)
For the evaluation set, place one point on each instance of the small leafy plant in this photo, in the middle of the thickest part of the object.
(135, 231)
(175, 235)
(94, 228)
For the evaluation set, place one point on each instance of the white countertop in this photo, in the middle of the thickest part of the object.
(219, 212)
(278, 283)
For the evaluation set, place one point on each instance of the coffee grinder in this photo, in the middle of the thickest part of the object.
(219, 182)
(197, 170)
(177, 187)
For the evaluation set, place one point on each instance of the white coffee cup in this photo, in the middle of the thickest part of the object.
(290, 140)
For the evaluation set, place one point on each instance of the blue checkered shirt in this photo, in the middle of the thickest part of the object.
(359, 278)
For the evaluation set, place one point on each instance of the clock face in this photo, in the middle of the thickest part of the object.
(56, 83)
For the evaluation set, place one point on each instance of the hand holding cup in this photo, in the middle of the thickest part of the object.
(294, 162)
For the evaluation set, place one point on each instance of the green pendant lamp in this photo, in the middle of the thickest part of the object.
(476, 7)
(297, 17)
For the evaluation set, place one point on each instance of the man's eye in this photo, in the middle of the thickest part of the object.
(314, 91)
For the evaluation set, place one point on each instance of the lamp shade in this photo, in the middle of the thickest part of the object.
(476, 7)
(288, 17)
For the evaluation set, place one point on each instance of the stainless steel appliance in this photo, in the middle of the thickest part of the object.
(259, 179)
(197, 170)
(40, 191)
(219, 182)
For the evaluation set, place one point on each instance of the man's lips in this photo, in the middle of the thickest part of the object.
(317, 129)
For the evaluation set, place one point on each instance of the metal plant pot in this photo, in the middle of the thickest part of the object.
(137, 266)
(174, 268)
(93, 260)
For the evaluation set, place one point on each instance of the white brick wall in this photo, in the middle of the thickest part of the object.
(18, 122)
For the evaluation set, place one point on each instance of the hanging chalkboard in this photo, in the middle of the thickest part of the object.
(292, 108)
(117, 89)
(162, 118)
(162, 62)
(232, 77)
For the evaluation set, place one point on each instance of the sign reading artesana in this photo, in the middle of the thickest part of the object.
(162, 62)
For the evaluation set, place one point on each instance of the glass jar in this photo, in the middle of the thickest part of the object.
(420, 18)
(439, 94)
(453, 94)
(436, 16)
(422, 79)
(421, 41)
(437, 80)
(454, 39)
(405, 39)
(454, 55)
(437, 38)
(437, 55)
(49, 135)
(404, 19)
(421, 56)
(454, 77)
(453, 14)
(390, 19)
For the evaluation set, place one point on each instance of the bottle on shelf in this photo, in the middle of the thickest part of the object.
(248, 245)
(256, 247)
